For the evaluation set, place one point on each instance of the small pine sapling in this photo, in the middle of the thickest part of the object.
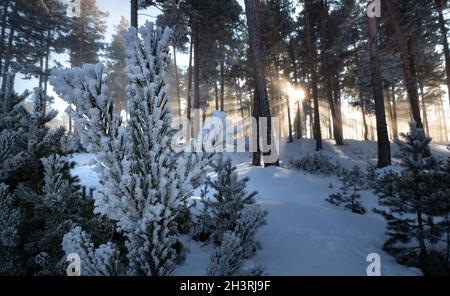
(353, 182)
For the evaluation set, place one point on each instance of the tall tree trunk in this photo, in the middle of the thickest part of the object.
(189, 90)
(196, 80)
(363, 115)
(177, 79)
(196, 68)
(216, 95)
(384, 150)
(443, 28)
(330, 123)
(291, 139)
(326, 69)
(361, 100)
(312, 68)
(3, 32)
(387, 103)
(46, 72)
(394, 113)
(239, 95)
(299, 131)
(7, 57)
(337, 121)
(222, 84)
(252, 13)
(256, 155)
(443, 119)
(300, 117)
(134, 13)
(424, 108)
(406, 48)
(286, 73)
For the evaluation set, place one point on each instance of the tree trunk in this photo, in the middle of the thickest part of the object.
(196, 81)
(134, 13)
(44, 103)
(384, 150)
(443, 120)
(239, 95)
(387, 103)
(189, 90)
(394, 113)
(177, 79)
(299, 131)
(312, 68)
(216, 95)
(252, 13)
(424, 108)
(196, 69)
(337, 133)
(443, 28)
(222, 84)
(299, 126)
(405, 47)
(256, 155)
(363, 115)
(3, 32)
(337, 120)
(291, 139)
(7, 57)
(361, 101)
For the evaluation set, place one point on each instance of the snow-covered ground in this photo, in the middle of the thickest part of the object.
(304, 235)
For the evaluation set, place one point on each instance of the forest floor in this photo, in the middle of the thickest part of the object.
(305, 235)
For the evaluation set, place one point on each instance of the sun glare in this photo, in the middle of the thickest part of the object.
(295, 94)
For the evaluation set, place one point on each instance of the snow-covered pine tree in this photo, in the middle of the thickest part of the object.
(227, 258)
(250, 220)
(353, 182)
(407, 201)
(144, 180)
(441, 205)
(50, 212)
(105, 260)
(39, 199)
(11, 263)
(203, 223)
(230, 197)
(233, 218)
(36, 140)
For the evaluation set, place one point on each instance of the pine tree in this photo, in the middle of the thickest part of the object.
(227, 259)
(407, 201)
(117, 78)
(144, 180)
(353, 182)
(51, 211)
(441, 205)
(230, 197)
(10, 240)
(104, 260)
(87, 33)
(39, 199)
